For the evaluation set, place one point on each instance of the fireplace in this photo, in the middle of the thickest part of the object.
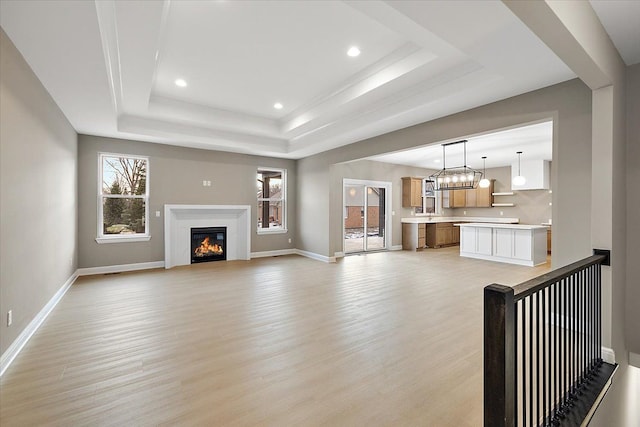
(208, 244)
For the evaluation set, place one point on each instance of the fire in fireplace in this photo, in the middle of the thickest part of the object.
(208, 244)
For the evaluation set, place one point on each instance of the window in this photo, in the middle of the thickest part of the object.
(123, 198)
(272, 212)
(430, 198)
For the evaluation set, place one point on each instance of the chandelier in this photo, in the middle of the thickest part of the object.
(458, 177)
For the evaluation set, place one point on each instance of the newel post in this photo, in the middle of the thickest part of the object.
(499, 356)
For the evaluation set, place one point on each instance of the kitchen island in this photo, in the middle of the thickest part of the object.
(437, 231)
(511, 243)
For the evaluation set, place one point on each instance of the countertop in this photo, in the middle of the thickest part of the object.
(436, 219)
(513, 226)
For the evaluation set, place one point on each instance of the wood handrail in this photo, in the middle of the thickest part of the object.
(536, 284)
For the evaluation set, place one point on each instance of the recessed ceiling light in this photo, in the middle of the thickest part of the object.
(353, 51)
(277, 106)
(181, 83)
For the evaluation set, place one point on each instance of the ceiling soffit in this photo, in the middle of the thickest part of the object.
(420, 61)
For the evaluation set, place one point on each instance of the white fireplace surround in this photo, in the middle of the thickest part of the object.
(179, 219)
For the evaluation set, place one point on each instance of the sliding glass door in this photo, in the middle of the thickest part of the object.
(365, 215)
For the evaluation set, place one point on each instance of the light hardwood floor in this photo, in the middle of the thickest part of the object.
(379, 339)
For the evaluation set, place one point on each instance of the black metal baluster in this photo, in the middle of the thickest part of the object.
(535, 329)
(531, 360)
(544, 356)
(553, 349)
(584, 326)
(599, 313)
(585, 369)
(571, 331)
(599, 305)
(584, 331)
(577, 332)
(574, 323)
(590, 322)
(579, 329)
(593, 318)
(558, 361)
(524, 362)
(515, 377)
(564, 361)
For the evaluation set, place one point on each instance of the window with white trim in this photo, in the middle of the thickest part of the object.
(272, 190)
(123, 198)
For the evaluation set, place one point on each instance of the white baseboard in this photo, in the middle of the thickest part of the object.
(608, 355)
(278, 252)
(315, 256)
(338, 255)
(396, 247)
(18, 344)
(120, 268)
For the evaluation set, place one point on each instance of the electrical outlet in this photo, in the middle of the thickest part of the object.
(501, 213)
(204, 183)
(289, 240)
(464, 212)
(9, 317)
(157, 214)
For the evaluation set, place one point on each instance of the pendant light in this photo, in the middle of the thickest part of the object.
(519, 180)
(484, 182)
(458, 177)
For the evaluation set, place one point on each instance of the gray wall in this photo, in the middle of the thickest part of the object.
(568, 104)
(374, 171)
(38, 194)
(531, 206)
(633, 210)
(175, 177)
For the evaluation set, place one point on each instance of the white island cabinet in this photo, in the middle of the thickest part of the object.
(511, 243)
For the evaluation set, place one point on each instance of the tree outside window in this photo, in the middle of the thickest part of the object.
(271, 194)
(124, 196)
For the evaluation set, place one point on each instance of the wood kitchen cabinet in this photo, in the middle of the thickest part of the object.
(456, 235)
(411, 192)
(471, 198)
(442, 234)
(413, 236)
(484, 196)
(454, 198)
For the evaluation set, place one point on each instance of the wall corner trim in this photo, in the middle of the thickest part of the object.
(119, 268)
(315, 256)
(634, 359)
(18, 344)
(608, 355)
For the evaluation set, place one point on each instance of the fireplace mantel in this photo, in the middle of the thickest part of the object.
(178, 220)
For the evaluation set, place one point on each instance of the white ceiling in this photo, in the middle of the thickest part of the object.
(535, 141)
(111, 66)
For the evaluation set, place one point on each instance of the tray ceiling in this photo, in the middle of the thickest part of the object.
(111, 66)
